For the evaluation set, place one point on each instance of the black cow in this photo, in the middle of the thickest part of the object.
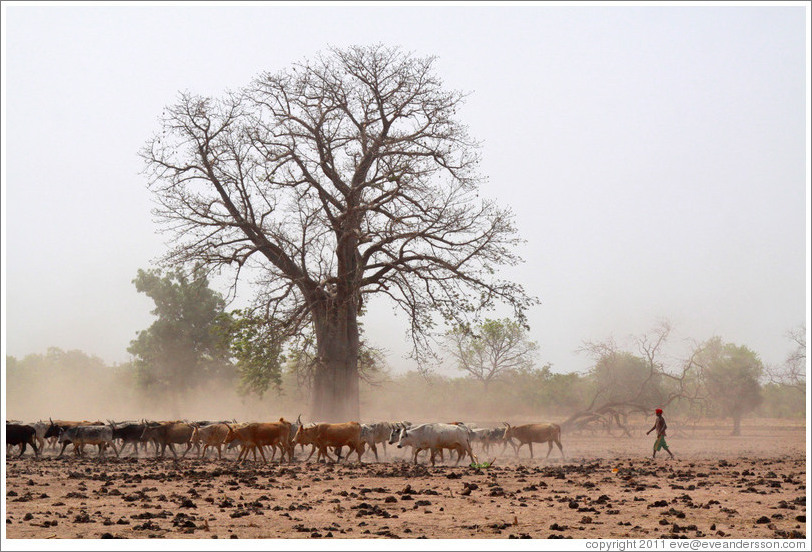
(18, 434)
(130, 433)
(58, 427)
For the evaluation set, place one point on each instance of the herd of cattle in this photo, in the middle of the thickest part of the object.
(280, 437)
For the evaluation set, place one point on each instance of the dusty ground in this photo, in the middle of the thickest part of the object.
(752, 486)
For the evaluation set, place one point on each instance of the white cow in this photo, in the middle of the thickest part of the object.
(379, 432)
(436, 437)
(40, 428)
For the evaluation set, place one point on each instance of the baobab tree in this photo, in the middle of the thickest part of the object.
(341, 177)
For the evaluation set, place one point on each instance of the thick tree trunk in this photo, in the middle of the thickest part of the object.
(737, 425)
(335, 382)
(335, 385)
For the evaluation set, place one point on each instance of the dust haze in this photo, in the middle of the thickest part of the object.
(116, 397)
(113, 393)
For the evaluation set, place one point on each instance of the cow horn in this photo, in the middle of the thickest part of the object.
(299, 419)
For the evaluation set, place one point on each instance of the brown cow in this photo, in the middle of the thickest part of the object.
(257, 435)
(169, 434)
(308, 437)
(535, 433)
(237, 442)
(213, 435)
(332, 435)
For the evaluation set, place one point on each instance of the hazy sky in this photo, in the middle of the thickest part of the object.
(654, 156)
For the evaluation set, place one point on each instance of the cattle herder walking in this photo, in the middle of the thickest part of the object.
(660, 426)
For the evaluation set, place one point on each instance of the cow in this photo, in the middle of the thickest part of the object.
(306, 435)
(307, 438)
(488, 437)
(379, 432)
(294, 428)
(396, 427)
(40, 428)
(169, 434)
(23, 435)
(237, 442)
(435, 437)
(535, 433)
(257, 435)
(201, 424)
(394, 437)
(213, 435)
(332, 435)
(56, 427)
(101, 436)
(130, 433)
(472, 437)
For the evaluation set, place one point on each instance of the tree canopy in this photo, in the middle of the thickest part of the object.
(730, 374)
(256, 349)
(492, 349)
(181, 348)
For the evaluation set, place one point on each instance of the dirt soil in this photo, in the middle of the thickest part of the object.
(718, 486)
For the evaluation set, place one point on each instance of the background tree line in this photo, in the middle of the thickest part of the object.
(66, 382)
(196, 349)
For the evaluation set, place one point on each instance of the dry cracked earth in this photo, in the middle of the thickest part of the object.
(718, 487)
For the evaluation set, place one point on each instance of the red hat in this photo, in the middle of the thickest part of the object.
(658, 411)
